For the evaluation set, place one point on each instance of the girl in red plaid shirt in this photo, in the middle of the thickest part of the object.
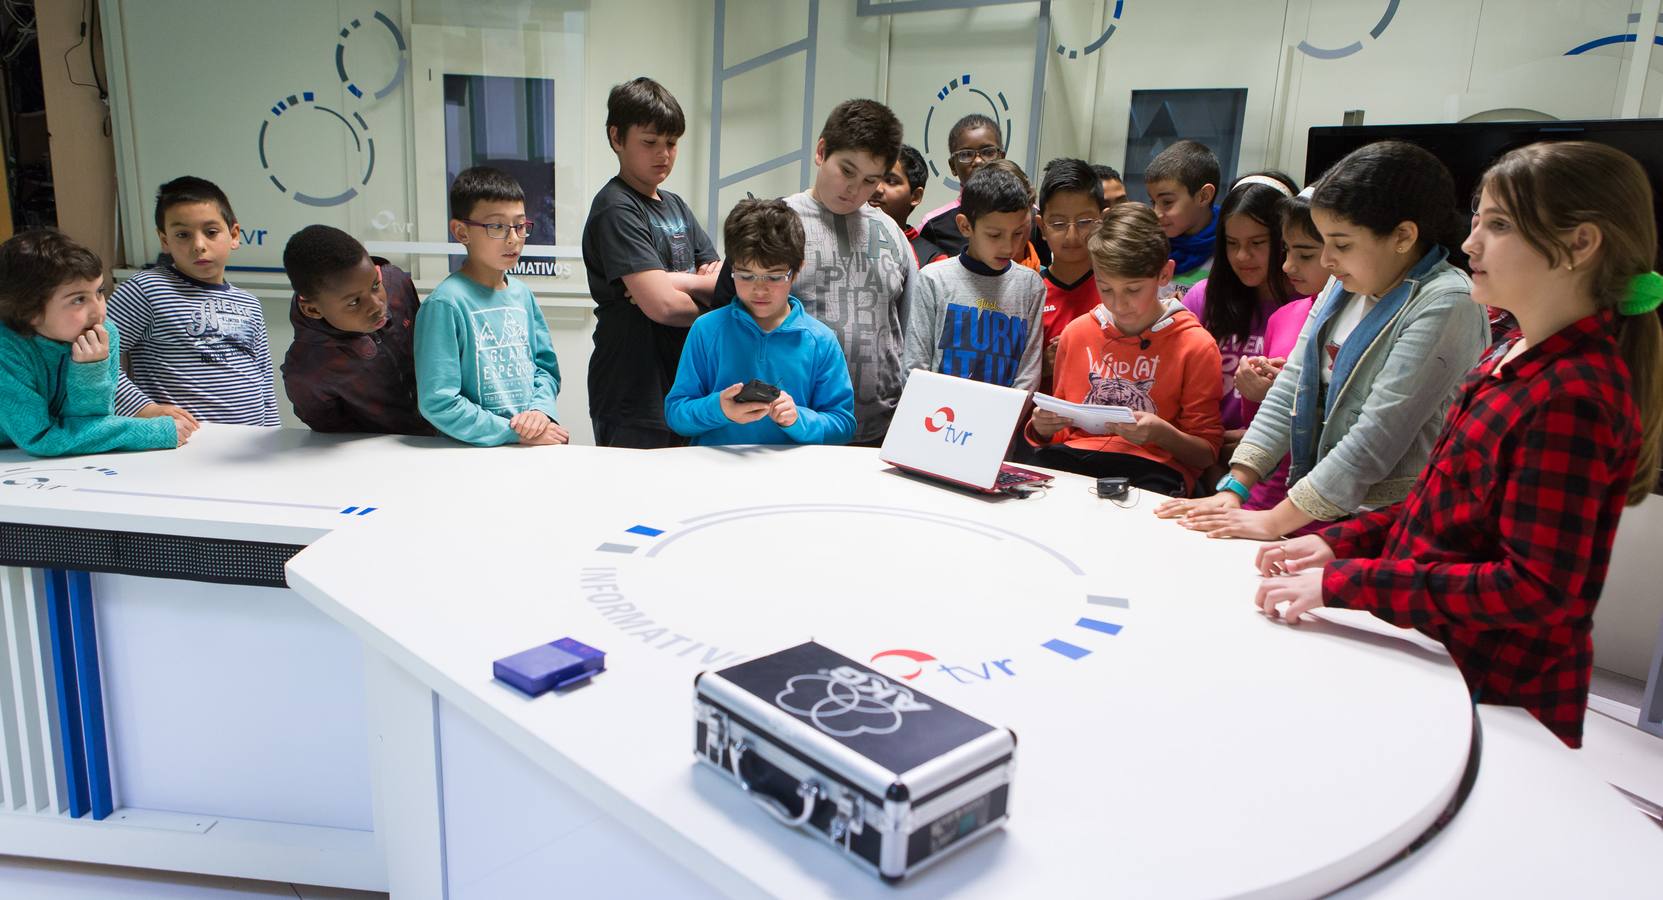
(1500, 551)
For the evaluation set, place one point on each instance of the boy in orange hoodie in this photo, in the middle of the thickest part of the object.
(1137, 351)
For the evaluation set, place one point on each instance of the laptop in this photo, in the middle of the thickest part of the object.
(957, 430)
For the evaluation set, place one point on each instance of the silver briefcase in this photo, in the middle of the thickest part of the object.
(895, 778)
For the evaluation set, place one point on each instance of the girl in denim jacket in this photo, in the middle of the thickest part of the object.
(1363, 395)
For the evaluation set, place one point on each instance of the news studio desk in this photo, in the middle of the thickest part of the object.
(335, 721)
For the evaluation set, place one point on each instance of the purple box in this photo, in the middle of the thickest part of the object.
(552, 666)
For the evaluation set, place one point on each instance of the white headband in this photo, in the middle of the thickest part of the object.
(1265, 180)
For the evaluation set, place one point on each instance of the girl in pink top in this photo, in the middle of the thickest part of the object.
(1303, 266)
(1236, 300)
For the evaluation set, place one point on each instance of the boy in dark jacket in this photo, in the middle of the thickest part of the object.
(352, 364)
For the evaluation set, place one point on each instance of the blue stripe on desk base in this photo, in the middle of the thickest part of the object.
(84, 631)
(69, 702)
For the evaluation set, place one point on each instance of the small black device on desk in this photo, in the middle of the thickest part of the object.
(1114, 487)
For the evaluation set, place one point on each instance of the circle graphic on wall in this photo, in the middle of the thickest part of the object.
(1309, 49)
(348, 34)
(1629, 37)
(955, 100)
(1067, 52)
(298, 124)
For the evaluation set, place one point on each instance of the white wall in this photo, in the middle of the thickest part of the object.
(200, 111)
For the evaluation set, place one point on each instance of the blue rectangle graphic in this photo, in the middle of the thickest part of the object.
(1099, 625)
(1065, 648)
(646, 531)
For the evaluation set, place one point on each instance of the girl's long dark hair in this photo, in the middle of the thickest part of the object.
(1231, 304)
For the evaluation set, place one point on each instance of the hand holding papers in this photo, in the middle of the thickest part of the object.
(1094, 419)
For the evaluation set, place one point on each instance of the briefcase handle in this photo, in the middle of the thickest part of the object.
(808, 791)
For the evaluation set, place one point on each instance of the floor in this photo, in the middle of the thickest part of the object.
(21, 877)
(1624, 756)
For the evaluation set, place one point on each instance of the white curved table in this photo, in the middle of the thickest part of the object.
(1161, 720)
(1197, 750)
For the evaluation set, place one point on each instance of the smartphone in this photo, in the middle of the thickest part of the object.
(757, 392)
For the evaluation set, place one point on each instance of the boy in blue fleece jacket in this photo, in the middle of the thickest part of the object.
(763, 334)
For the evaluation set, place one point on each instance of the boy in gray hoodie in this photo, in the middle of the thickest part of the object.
(858, 269)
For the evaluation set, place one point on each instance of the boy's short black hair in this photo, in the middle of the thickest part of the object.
(643, 102)
(971, 123)
(866, 126)
(998, 187)
(1070, 176)
(1187, 162)
(482, 184)
(1106, 173)
(914, 167)
(318, 253)
(765, 233)
(33, 265)
(191, 189)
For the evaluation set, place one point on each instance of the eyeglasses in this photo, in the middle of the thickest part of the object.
(499, 230)
(985, 154)
(1061, 226)
(765, 278)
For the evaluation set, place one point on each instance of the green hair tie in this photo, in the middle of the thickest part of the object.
(1645, 294)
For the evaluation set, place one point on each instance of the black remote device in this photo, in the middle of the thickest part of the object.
(1113, 488)
(757, 392)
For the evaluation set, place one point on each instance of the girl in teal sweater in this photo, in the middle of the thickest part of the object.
(59, 357)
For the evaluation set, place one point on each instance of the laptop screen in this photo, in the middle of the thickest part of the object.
(953, 428)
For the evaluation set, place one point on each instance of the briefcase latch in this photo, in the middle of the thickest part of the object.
(848, 821)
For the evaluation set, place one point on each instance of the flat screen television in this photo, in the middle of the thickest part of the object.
(1469, 148)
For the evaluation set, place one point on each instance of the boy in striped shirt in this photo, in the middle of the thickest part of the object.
(196, 345)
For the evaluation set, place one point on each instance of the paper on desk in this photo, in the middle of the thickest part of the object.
(1092, 418)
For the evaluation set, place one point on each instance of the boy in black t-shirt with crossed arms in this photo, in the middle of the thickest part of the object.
(651, 271)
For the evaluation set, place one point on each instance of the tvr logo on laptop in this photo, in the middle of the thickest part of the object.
(942, 420)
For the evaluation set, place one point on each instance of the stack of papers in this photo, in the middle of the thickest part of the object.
(1095, 419)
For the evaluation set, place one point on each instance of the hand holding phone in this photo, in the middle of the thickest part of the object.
(757, 392)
